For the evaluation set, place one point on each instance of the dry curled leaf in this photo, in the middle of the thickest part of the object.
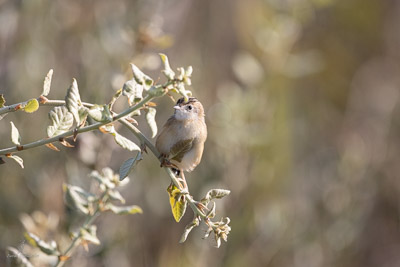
(51, 146)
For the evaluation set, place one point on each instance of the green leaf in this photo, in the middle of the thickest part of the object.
(119, 139)
(47, 248)
(177, 201)
(47, 83)
(189, 228)
(215, 194)
(168, 72)
(89, 235)
(62, 121)
(128, 165)
(2, 100)
(17, 159)
(151, 120)
(83, 113)
(141, 78)
(125, 143)
(31, 106)
(18, 258)
(100, 113)
(133, 90)
(15, 136)
(74, 199)
(114, 98)
(73, 101)
(124, 209)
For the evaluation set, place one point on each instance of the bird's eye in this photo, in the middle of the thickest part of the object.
(190, 107)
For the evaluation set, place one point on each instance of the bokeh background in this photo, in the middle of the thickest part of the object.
(302, 106)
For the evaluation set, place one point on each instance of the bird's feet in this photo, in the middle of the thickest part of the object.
(165, 162)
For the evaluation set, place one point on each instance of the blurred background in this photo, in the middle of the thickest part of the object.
(302, 107)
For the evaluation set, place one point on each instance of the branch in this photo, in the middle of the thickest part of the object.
(88, 128)
(133, 89)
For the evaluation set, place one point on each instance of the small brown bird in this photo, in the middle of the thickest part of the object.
(181, 141)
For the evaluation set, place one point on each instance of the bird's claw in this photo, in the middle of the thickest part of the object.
(143, 147)
(166, 163)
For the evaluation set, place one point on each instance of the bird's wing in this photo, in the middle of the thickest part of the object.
(180, 149)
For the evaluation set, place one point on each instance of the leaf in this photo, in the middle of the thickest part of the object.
(31, 106)
(15, 136)
(212, 212)
(115, 195)
(47, 83)
(185, 93)
(177, 201)
(87, 195)
(181, 73)
(215, 194)
(74, 199)
(2, 100)
(128, 165)
(114, 98)
(89, 235)
(141, 78)
(125, 143)
(63, 258)
(102, 179)
(124, 209)
(19, 160)
(73, 101)
(189, 228)
(218, 240)
(19, 258)
(34, 240)
(83, 113)
(168, 72)
(108, 128)
(188, 74)
(119, 139)
(133, 90)
(151, 120)
(65, 143)
(62, 121)
(53, 147)
(151, 104)
(100, 113)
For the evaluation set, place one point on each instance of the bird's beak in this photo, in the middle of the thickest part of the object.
(177, 107)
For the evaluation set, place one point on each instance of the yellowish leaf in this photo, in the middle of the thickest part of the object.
(2, 101)
(63, 258)
(177, 201)
(31, 106)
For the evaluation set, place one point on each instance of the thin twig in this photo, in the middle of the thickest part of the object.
(75, 131)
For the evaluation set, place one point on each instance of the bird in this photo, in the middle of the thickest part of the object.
(181, 140)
